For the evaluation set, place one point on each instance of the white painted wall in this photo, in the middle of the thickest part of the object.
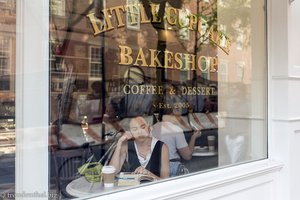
(294, 99)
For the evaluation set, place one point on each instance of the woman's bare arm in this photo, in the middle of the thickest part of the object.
(165, 166)
(121, 152)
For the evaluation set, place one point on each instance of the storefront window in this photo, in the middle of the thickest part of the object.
(7, 95)
(153, 89)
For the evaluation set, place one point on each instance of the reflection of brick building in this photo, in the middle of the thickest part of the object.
(79, 47)
(7, 64)
(7, 49)
(75, 49)
(7, 94)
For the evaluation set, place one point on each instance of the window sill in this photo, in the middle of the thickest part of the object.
(218, 181)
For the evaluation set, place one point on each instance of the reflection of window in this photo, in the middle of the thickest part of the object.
(239, 40)
(10, 5)
(223, 28)
(204, 35)
(205, 63)
(240, 71)
(95, 63)
(221, 2)
(4, 63)
(133, 15)
(58, 7)
(184, 18)
(223, 71)
(184, 75)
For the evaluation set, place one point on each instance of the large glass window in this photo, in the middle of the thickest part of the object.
(7, 96)
(149, 90)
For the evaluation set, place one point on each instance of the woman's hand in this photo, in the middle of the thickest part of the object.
(125, 137)
(142, 170)
(197, 133)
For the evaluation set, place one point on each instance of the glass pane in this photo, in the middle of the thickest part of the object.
(156, 89)
(7, 97)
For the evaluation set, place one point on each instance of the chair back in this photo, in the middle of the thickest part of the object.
(67, 163)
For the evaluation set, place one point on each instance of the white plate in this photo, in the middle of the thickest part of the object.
(203, 151)
(200, 149)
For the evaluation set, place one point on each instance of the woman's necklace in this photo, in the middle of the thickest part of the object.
(143, 155)
(144, 150)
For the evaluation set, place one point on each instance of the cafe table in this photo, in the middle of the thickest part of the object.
(80, 187)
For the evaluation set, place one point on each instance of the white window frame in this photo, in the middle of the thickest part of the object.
(9, 58)
(223, 71)
(240, 39)
(4, 50)
(93, 78)
(32, 97)
(137, 26)
(207, 71)
(58, 7)
(32, 103)
(184, 32)
(204, 35)
(240, 67)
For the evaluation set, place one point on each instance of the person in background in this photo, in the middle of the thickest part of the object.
(96, 90)
(173, 136)
(138, 152)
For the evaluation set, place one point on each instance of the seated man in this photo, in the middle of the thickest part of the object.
(173, 136)
(143, 153)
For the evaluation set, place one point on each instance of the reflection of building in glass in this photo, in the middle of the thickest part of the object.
(5, 60)
(133, 15)
(7, 56)
(7, 94)
(240, 39)
(7, 45)
(94, 57)
(58, 7)
(97, 59)
(223, 71)
(95, 63)
(240, 71)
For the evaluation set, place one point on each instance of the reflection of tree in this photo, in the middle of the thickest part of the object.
(209, 14)
(236, 15)
(206, 12)
(161, 43)
(60, 46)
(62, 38)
